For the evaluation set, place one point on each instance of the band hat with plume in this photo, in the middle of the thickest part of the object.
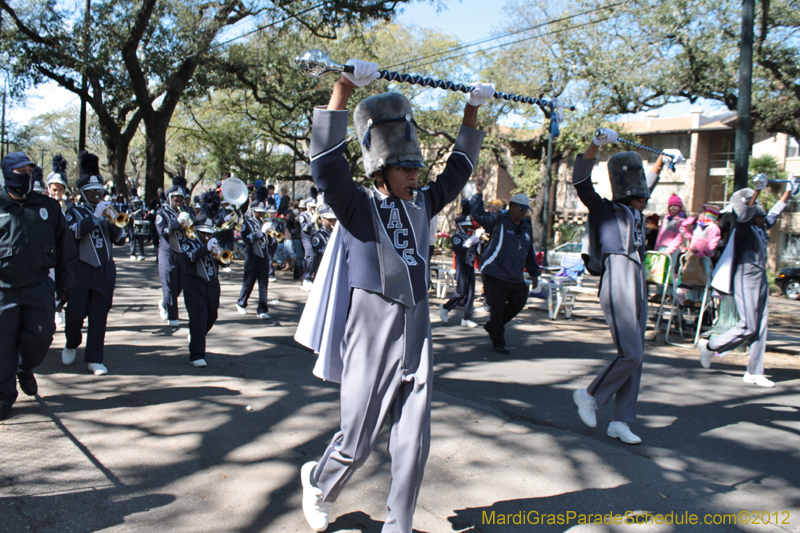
(89, 166)
(626, 174)
(59, 173)
(387, 133)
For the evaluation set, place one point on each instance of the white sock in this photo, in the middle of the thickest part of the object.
(585, 395)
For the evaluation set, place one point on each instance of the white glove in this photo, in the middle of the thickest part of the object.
(759, 181)
(184, 218)
(677, 156)
(607, 136)
(228, 218)
(363, 73)
(101, 206)
(480, 232)
(267, 227)
(480, 93)
(211, 244)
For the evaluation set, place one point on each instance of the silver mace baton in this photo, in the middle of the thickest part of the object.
(758, 178)
(600, 134)
(315, 63)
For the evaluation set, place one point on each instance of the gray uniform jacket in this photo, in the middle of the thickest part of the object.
(386, 238)
(611, 228)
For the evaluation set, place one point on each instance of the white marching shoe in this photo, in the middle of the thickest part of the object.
(705, 354)
(758, 379)
(98, 369)
(162, 311)
(68, 355)
(586, 408)
(315, 507)
(264, 316)
(467, 323)
(241, 310)
(199, 363)
(443, 313)
(175, 323)
(621, 431)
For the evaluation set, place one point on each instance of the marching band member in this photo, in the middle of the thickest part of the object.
(171, 264)
(319, 241)
(95, 271)
(510, 251)
(742, 269)
(465, 246)
(136, 214)
(200, 291)
(615, 251)
(34, 239)
(386, 367)
(57, 184)
(257, 261)
(307, 228)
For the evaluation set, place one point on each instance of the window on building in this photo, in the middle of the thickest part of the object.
(681, 142)
(793, 148)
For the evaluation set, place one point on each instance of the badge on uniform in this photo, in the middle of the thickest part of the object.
(43, 213)
(159, 219)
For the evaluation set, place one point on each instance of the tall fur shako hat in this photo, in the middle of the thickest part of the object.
(178, 187)
(387, 132)
(626, 173)
(59, 174)
(90, 177)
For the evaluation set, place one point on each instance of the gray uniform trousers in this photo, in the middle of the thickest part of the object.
(624, 303)
(750, 294)
(388, 368)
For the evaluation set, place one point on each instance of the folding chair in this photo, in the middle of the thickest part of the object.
(664, 281)
(675, 309)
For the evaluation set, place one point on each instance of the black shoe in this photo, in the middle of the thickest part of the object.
(4, 410)
(28, 385)
(501, 348)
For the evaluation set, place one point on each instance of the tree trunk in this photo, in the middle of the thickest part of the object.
(155, 154)
(117, 159)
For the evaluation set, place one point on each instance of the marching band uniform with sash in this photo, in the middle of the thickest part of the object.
(614, 249)
(465, 248)
(136, 214)
(319, 241)
(171, 264)
(742, 270)
(200, 295)
(385, 363)
(307, 229)
(95, 271)
(257, 261)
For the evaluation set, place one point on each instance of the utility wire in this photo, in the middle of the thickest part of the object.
(502, 36)
(265, 26)
(553, 32)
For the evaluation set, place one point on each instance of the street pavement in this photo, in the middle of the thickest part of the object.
(158, 445)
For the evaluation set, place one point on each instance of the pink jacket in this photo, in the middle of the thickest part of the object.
(704, 240)
(669, 236)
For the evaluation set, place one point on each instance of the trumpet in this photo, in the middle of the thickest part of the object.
(223, 256)
(120, 220)
(268, 229)
(188, 229)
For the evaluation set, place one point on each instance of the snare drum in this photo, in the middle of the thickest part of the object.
(141, 228)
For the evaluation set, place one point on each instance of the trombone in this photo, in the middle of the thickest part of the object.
(268, 229)
(120, 220)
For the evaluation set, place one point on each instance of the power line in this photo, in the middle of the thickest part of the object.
(553, 32)
(502, 36)
(265, 26)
